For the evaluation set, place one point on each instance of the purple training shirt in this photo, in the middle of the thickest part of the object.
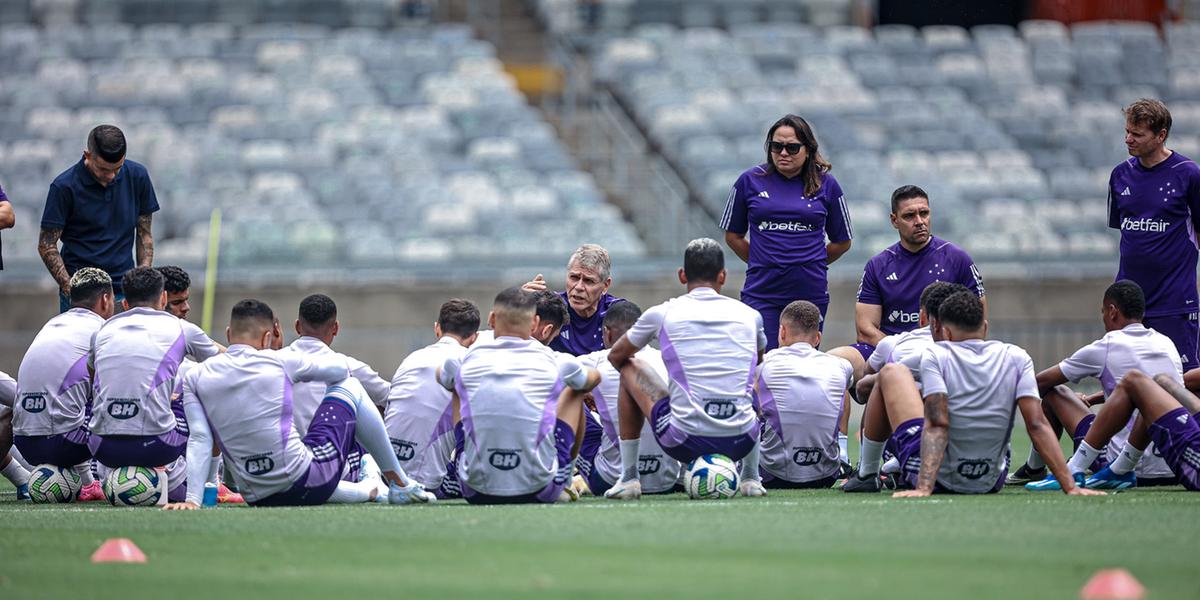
(895, 278)
(583, 336)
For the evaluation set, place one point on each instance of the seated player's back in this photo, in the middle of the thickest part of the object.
(659, 472)
(54, 389)
(136, 356)
(418, 413)
(800, 394)
(508, 391)
(982, 380)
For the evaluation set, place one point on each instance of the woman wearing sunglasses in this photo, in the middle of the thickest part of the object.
(793, 206)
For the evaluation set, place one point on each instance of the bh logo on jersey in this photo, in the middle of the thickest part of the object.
(34, 403)
(648, 465)
(505, 460)
(974, 468)
(257, 465)
(123, 409)
(720, 409)
(405, 450)
(806, 457)
(898, 316)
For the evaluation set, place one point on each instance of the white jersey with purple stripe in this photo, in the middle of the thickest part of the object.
(658, 471)
(1109, 359)
(307, 397)
(710, 345)
(136, 357)
(246, 396)
(54, 388)
(982, 380)
(800, 391)
(508, 398)
(418, 418)
(905, 348)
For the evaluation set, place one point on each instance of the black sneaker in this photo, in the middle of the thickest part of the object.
(845, 471)
(856, 484)
(889, 481)
(1024, 475)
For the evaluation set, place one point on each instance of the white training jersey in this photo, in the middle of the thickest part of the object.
(136, 357)
(710, 345)
(658, 471)
(418, 418)
(8, 390)
(982, 380)
(55, 388)
(508, 397)
(246, 396)
(905, 348)
(1109, 359)
(800, 391)
(308, 396)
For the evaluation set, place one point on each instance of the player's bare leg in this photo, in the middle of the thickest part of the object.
(640, 390)
(893, 401)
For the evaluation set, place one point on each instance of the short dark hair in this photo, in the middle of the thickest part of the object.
(802, 315)
(248, 314)
(175, 279)
(935, 293)
(1151, 113)
(622, 315)
(107, 142)
(143, 285)
(907, 192)
(703, 260)
(458, 317)
(317, 310)
(87, 285)
(1128, 297)
(516, 299)
(551, 308)
(963, 309)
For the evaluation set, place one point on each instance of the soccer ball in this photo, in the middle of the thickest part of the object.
(135, 486)
(711, 476)
(50, 484)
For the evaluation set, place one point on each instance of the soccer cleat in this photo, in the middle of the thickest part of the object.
(889, 481)
(858, 484)
(91, 492)
(579, 484)
(625, 490)
(413, 493)
(845, 470)
(1025, 475)
(228, 496)
(752, 488)
(1050, 484)
(568, 494)
(23, 492)
(1105, 479)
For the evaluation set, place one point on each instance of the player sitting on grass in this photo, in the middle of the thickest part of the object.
(1164, 413)
(1126, 346)
(521, 408)
(10, 466)
(418, 415)
(799, 391)
(711, 345)
(971, 387)
(243, 400)
(136, 357)
(54, 393)
(658, 472)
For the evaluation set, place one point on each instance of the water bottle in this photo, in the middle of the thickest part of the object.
(210, 494)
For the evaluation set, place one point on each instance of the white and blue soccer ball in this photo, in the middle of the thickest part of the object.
(711, 476)
(135, 486)
(50, 484)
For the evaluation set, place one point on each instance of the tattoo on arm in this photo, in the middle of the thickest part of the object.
(145, 241)
(48, 249)
(649, 383)
(933, 440)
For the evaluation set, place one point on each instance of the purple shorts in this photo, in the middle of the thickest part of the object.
(905, 443)
(330, 438)
(143, 450)
(1184, 331)
(564, 441)
(593, 434)
(865, 349)
(63, 449)
(686, 448)
(1177, 438)
(1085, 424)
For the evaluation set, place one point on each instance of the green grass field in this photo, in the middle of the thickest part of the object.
(812, 544)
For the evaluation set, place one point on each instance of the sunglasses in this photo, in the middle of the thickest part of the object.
(778, 147)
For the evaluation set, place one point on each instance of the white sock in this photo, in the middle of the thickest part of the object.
(214, 468)
(844, 446)
(16, 455)
(1035, 461)
(1082, 459)
(369, 429)
(629, 459)
(869, 456)
(84, 469)
(15, 473)
(891, 466)
(750, 465)
(1127, 460)
(353, 492)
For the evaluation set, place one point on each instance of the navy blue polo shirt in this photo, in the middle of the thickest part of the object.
(99, 223)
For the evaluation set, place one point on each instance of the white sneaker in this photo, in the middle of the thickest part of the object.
(625, 490)
(369, 469)
(752, 488)
(413, 493)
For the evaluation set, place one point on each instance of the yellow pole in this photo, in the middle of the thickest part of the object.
(210, 270)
